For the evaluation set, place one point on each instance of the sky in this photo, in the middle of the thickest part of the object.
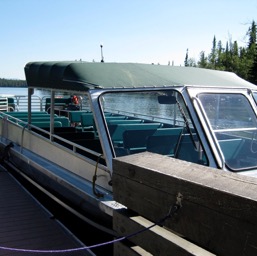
(140, 31)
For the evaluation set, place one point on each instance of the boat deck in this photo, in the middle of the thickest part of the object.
(27, 225)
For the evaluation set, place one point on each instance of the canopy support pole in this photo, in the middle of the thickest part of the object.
(52, 113)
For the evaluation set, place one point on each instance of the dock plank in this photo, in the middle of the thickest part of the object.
(25, 224)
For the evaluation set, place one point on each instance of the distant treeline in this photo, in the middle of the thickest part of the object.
(12, 83)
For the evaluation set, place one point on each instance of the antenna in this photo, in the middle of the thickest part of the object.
(102, 57)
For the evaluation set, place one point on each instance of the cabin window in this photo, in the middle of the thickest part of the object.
(234, 125)
(154, 121)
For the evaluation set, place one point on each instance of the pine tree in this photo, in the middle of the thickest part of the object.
(202, 63)
(235, 57)
(253, 70)
(213, 54)
(252, 35)
(244, 64)
(227, 58)
(220, 56)
(252, 53)
(186, 59)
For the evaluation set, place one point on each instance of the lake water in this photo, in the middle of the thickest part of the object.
(22, 91)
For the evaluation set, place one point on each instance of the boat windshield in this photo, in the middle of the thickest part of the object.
(234, 124)
(154, 121)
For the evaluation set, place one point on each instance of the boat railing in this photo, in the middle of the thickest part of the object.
(62, 142)
(20, 103)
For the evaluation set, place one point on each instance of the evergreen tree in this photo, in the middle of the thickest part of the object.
(227, 58)
(220, 56)
(252, 35)
(191, 62)
(235, 57)
(213, 55)
(202, 63)
(244, 64)
(252, 53)
(253, 70)
(186, 59)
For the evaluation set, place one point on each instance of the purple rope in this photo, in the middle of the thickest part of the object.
(64, 250)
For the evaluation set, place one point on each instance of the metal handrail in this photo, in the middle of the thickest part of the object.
(22, 103)
(26, 126)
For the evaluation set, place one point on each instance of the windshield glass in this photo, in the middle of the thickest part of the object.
(154, 121)
(234, 124)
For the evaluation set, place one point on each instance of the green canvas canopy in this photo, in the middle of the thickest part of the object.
(82, 76)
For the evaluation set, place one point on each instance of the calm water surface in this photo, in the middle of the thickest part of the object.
(22, 91)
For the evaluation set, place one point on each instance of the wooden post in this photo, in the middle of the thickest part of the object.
(219, 209)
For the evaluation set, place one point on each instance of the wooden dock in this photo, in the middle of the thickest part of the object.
(217, 213)
(26, 228)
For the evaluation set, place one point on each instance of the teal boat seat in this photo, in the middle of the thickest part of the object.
(11, 104)
(25, 113)
(75, 116)
(117, 131)
(42, 124)
(87, 119)
(64, 120)
(124, 121)
(115, 117)
(186, 150)
(164, 141)
(59, 102)
(230, 147)
(168, 131)
(135, 140)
